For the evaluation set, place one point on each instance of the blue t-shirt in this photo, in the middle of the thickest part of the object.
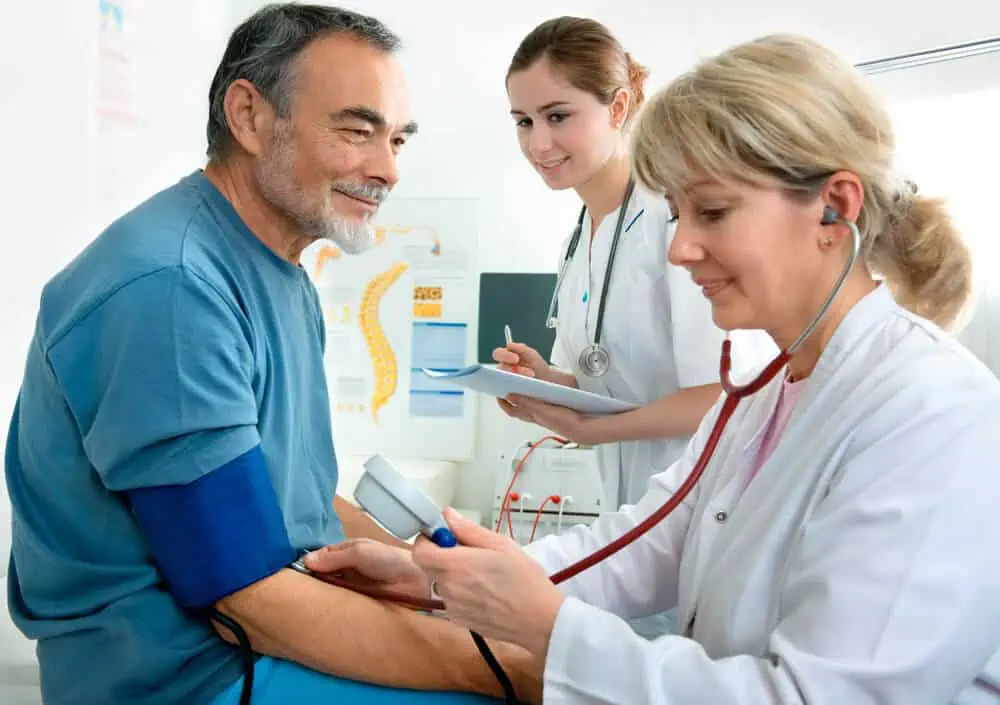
(175, 343)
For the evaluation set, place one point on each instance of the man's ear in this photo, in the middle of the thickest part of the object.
(249, 116)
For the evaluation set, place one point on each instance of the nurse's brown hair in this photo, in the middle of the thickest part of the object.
(585, 53)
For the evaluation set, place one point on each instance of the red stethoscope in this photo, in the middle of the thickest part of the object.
(734, 393)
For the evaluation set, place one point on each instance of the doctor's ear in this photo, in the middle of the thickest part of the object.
(842, 196)
(619, 107)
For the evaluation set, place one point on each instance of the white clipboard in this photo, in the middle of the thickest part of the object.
(499, 383)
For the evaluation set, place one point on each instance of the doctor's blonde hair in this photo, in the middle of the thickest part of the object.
(784, 110)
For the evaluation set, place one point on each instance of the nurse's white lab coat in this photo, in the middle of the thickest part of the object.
(658, 331)
(860, 567)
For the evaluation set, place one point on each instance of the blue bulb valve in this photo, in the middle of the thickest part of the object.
(443, 537)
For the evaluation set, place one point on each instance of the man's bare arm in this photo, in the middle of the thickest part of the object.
(298, 618)
(358, 525)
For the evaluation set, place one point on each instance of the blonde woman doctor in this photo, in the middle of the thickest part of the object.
(841, 546)
(628, 324)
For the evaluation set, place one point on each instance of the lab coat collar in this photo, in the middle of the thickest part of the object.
(865, 314)
(740, 503)
(756, 424)
(862, 316)
(636, 205)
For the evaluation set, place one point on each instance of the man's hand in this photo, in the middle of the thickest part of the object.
(393, 569)
(373, 562)
(333, 630)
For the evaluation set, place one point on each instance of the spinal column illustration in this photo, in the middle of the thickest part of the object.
(384, 362)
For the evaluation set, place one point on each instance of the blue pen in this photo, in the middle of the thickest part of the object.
(637, 216)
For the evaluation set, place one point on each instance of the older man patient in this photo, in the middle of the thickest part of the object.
(171, 452)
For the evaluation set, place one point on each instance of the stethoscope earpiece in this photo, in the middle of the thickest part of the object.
(830, 216)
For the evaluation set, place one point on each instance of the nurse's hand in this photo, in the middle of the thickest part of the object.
(491, 586)
(373, 563)
(523, 360)
(570, 424)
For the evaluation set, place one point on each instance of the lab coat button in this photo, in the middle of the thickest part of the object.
(721, 517)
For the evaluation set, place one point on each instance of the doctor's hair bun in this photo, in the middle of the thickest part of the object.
(637, 75)
(587, 55)
(926, 261)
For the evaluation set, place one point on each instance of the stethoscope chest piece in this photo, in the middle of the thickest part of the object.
(594, 360)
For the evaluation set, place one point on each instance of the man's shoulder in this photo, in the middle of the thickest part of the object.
(161, 239)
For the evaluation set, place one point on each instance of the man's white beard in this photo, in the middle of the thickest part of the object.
(352, 236)
(281, 191)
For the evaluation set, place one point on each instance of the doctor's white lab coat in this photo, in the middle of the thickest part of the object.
(861, 566)
(658, 331)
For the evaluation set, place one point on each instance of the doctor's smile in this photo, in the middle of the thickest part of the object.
(713, 287)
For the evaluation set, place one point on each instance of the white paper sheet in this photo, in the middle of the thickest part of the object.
(500, 383)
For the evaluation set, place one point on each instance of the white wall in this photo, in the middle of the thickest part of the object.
(950, 147)
(46, 117)
(456, 54)
(46, 158)
(178, 45)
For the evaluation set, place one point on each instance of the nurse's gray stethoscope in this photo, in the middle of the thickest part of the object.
(734, 393)
(594, 359)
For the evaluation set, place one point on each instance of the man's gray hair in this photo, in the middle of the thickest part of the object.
(264, 48)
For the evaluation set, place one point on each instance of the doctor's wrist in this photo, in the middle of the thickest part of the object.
(557, 376)
(597, 430)
(537, 632)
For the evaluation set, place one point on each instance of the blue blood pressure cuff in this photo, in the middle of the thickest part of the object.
(218, 534)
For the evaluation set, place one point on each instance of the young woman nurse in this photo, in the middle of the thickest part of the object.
(629, 324)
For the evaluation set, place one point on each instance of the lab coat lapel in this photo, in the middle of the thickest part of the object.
(573, 310)
(728, 465)
(584, 301)
(765, 513)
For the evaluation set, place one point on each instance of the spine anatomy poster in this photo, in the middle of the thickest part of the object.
(406, 304)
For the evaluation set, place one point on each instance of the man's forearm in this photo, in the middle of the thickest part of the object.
(336, 631)
(358, 525)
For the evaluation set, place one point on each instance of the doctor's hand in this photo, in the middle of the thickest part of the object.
(567, 423)
(523, 360)
(491, 586)
(371, 562)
